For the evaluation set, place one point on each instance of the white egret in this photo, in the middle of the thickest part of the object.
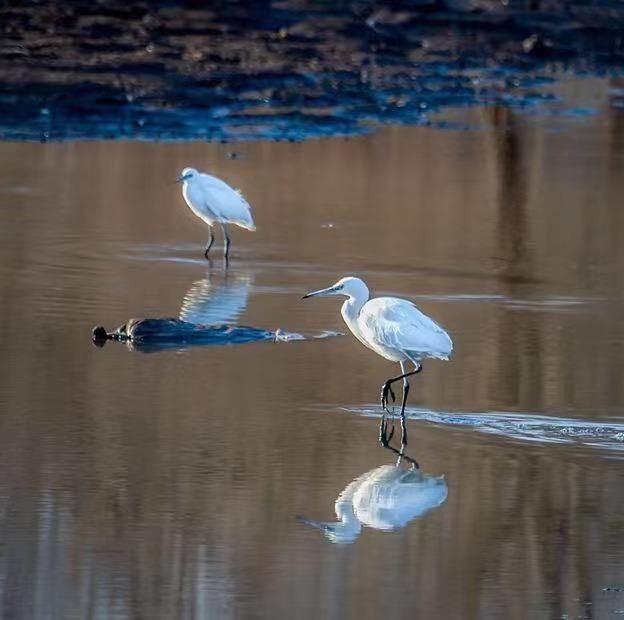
(385, 498)
(215, 202)
(395, 329)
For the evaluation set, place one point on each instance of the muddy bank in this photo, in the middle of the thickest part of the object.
(288, 70)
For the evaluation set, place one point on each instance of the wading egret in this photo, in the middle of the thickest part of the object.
(385, 498)
(395, 329)
(215, 202)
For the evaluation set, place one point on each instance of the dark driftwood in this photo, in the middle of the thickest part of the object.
(157, 334)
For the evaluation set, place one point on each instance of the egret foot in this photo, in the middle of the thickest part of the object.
(386, 389)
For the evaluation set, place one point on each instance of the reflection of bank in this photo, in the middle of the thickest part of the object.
(518, 365)
(385, 498)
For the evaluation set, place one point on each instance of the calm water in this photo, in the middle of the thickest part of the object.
(168, 485)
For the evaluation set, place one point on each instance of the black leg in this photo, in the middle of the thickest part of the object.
(386, 389)
(406, 388)
(210, 242)
(401, 454)
(226, 253)
(384, 438)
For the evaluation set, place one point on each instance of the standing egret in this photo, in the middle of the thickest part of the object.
(395, 329)
(214, 201)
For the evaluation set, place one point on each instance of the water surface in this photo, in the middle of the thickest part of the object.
(169, 485)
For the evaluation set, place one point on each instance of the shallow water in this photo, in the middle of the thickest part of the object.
(169, 485)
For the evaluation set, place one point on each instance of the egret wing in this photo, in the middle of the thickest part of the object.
(392, 498)
(399, 324)
(226, 203)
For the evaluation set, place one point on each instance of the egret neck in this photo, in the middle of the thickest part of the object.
(357, 296)
(349, 527)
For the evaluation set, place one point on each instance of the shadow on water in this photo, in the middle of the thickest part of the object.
(385, 498)
(209, 316)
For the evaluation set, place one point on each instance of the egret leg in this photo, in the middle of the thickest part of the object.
(384, 438)
(406, 387)
(226, 253)
(401, 455)
(387, 389)
(210, 242)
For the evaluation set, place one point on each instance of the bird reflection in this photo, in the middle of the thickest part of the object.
(216, 300)
(385, 498)
(209, 316)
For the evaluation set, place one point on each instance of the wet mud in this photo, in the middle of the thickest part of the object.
(228, 71)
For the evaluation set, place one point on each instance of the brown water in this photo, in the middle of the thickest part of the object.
(168, 485)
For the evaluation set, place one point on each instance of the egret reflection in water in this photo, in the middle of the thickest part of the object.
(217, 299)
(209, 315)
(385, 498)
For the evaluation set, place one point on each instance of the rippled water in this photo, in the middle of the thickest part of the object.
(203, 482)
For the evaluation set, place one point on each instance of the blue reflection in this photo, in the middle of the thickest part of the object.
(385, 498)
(209, 315)
(216, 300)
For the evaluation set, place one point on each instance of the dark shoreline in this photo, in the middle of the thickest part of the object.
(293, 70)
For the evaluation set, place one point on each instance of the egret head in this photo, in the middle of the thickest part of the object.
(347, 287)
(187, 175)
(337, 532)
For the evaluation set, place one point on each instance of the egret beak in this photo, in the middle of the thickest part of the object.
(182, 178)
(323, 292)
(334, 530)
(324, 526)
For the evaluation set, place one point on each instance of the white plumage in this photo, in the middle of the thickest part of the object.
(385, 498)
(215, 202)
(395, 329)
(398, 330)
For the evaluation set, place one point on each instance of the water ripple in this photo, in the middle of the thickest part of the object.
(523, 426)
